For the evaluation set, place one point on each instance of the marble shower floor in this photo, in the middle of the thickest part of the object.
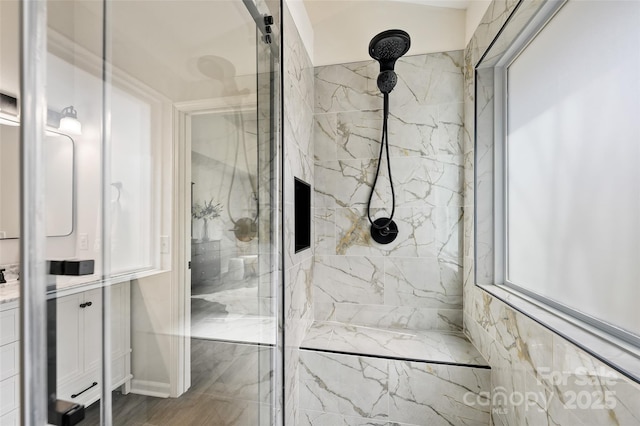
(235, 328)
(435, 346)
(230, 311)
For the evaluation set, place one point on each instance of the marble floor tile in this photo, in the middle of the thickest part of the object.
(236, 328)
(233, 312)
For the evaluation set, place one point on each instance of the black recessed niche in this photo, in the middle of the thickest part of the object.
(302, 218)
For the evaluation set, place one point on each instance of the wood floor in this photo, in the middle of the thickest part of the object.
(231, 386)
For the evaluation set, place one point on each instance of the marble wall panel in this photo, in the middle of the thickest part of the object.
(348, 390)
(324, 220)
(423, 232)
(344, 279)
(435, 394)
(346, 87)
(344, 384)
(345, 183)
(422, 283)
(299, 126)
(325, 131)
(426, 138)
(319, 418)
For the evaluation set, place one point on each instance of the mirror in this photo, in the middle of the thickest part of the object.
(59, 182)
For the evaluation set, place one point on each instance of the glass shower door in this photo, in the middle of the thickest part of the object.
(105, 303)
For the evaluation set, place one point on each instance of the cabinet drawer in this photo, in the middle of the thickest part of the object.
(73, 391)
(9, 326)
(9, 360)
(10, 419)
(9, 394)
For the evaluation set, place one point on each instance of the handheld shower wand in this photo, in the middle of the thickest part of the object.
(386, 48)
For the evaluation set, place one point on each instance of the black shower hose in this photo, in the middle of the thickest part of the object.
(239, 122)
(384, 146)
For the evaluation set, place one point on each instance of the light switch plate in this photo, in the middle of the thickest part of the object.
(164, 244)
(83, 242)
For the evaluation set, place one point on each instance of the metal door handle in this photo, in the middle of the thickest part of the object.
(75, 395)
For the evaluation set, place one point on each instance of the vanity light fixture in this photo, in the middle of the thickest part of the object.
(69, 121)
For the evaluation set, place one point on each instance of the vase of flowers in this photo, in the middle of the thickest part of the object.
(206, 211)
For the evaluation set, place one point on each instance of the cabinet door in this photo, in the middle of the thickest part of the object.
(10, 419)
(9, 395)
(92, 333)
(69, 336)
(120, 333)
(9, 326)
(117, 321)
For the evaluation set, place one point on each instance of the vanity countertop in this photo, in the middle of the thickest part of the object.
(65, 285)
(9, 292)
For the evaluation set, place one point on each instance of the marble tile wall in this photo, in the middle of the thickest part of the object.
(538, 377)
(339, 389)
(298, 162)
(416, 281)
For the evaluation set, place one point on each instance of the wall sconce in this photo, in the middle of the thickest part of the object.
(66, 121)
(69, 121)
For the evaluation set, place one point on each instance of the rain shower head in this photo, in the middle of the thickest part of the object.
(386, 48)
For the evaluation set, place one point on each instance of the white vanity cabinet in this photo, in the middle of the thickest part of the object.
(79, 336)
(79, 344)
(9, 364)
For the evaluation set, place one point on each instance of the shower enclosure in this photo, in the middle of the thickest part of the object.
(139, 236)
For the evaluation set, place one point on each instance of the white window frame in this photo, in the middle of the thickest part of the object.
(612, 345)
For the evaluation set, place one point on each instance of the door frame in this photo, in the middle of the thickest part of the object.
(181, 250)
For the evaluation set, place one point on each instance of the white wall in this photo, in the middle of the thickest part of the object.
(152, 333)
(343, 29)
(303, 24)
(475, 11)
(73, 79)
(321, 25)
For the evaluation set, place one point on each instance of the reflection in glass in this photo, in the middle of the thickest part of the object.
(173, 327)
(59, 183)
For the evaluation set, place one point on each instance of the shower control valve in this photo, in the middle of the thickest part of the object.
(384, 230)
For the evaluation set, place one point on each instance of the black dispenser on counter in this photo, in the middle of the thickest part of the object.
(71, 267)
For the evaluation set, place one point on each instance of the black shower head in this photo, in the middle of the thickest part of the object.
(386, 48)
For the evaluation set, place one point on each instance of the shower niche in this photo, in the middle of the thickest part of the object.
(302, 215)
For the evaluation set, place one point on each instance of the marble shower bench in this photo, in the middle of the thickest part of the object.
(355, 375)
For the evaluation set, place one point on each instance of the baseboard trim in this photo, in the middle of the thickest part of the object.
(149, 388)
